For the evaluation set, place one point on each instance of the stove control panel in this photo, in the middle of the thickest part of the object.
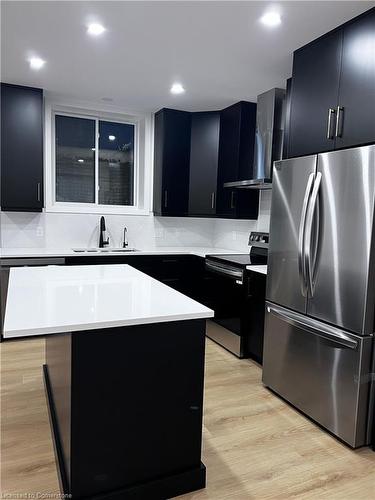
(259, 239)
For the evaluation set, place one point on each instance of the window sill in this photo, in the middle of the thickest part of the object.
(98, 209)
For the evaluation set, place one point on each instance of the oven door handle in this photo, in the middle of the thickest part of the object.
(224, 271)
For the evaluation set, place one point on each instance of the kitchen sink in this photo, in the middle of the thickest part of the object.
(104, 250)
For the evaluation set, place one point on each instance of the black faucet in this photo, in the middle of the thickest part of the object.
(102, 242)
(125, 242)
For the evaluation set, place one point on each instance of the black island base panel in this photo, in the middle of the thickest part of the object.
(126, 408)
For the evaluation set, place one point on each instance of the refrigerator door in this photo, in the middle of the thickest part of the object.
(343, 275)
(291, 190)
(321, 370)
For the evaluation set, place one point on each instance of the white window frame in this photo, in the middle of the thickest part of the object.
(143, 152)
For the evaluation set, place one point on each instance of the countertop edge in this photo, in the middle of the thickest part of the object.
(261, 269)
(38, 332)
(25, 253)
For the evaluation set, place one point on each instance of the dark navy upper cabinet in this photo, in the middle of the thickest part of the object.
(287, 118)
(356, 115)
(236, 159)
(21, 148)
(195, 153)
(315, 85)
(171, 162)
(333, 90)
(204, 150)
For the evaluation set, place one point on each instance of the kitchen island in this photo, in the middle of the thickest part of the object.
(124, 377)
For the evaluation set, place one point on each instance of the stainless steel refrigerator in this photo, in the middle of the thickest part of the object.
(319, 324)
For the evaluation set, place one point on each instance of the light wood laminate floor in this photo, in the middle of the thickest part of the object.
(255, 445)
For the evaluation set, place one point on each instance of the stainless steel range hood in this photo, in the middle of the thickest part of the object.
(268, 140)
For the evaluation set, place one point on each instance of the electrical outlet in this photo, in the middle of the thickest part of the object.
(234, 235)
(40, 231)
(159, 233)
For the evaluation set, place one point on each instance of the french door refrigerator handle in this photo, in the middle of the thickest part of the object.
(313, 207)
(301, 236)
(316, 328)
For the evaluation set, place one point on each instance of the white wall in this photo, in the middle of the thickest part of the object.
(60, 230)
(234, 234)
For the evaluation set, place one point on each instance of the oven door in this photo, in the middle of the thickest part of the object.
(225, 293)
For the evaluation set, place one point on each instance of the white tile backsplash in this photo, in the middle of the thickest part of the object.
(23, 229)
(59, 230)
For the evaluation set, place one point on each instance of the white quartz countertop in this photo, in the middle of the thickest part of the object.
(68, 252)
(56, 299)
(258, 268)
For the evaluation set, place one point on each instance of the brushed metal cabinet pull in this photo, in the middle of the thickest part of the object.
(232, 200)
(38, 191)
(213, 200)
(165, 199)
(330, 134)
(339, 120)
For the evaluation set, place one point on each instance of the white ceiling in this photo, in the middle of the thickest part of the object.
(219, 51)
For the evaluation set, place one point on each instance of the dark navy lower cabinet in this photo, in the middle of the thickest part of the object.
(126, 408)
(184, 273)
(21, 148)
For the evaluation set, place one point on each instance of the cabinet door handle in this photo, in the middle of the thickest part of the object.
(165, 199)
(339, 120)
(213, 200)
(331, 112)
(232, 205)
(38, 191)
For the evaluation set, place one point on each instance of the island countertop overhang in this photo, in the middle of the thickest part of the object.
(57, 299)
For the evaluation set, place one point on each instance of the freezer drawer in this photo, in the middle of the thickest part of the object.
(321, 370)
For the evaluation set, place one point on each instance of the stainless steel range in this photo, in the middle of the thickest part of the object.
(318, 340)
(237, 295)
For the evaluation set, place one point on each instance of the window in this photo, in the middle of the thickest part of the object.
(98, 158)
(75, 159)
(116, 163)
(94, 161)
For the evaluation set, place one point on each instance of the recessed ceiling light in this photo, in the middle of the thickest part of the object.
(36, 63)
(80, 160)
(95, 29)
(177, 88)
(111, 137)
(271, 19)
